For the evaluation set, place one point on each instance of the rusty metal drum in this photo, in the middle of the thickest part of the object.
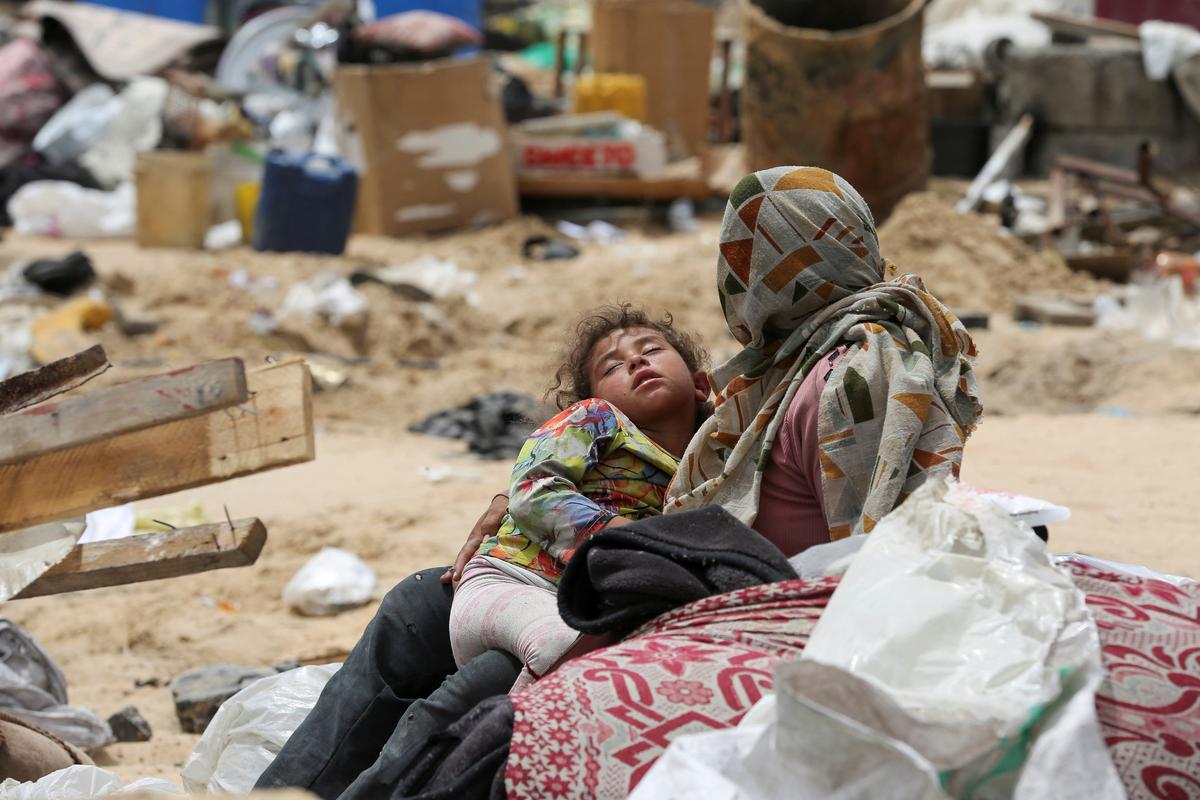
(848, 95)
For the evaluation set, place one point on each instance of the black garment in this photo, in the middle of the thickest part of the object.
(622, 577)
(466, 762)
(403, 656)
(494, 425)
(483, 678)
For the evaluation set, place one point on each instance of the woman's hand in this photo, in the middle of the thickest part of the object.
(487, 525)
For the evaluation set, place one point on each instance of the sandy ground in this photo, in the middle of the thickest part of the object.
(1104, 424)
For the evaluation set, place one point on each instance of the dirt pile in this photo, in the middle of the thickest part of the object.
(967, 260)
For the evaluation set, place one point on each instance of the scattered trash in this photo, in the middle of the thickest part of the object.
(1116, 411)
(544, 248)
(135, 127)
(223, 236)
(61, 332)
(681, 216)
(325, 376)
(331, 582)
(133, 326)
(597, 231)
(419, 363)
(29, 95)
(442, 473)
(251, 728)
(61, 276)
(1160, 311)
(34, 689)
(493, 425)
(85, 782)
(68, 210)
(198, 693)
(1054, 309)
(327, 295)
(78, 125)
(26, 554)
(128, 725)
(1166, 45)
(1185, 265)
(426, 278)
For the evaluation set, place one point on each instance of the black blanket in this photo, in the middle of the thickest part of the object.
(622, 577)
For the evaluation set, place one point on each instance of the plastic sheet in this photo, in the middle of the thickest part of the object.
(83, 783)
(954, 660)
(251, 728)
(63, 209)
(34, 689)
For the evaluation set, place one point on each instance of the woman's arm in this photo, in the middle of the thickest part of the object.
(486, 526)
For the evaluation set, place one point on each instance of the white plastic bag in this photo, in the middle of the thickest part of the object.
(954, 660)
(77, 126)
(1166, 44)
(332, 581)
(83, 783)
(34, 689)
(326, 295)
(61, 208)
(136, 127)
(440, 278)
(251, 728)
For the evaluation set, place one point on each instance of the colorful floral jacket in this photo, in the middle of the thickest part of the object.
(574, 474)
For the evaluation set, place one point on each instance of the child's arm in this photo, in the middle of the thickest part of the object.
(545, 501)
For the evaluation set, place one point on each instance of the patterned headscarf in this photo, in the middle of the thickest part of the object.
(799, 275)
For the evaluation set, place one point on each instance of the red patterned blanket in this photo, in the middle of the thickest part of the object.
(594, 727)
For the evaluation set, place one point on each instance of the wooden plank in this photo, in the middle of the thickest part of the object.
(152, 557)
(613, 188)
(1086, 26)
(274, 428)
(1007, 152)
(670, 44)
(122, 409)
(38, 385)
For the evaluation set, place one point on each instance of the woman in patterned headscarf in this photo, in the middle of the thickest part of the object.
(849, 390)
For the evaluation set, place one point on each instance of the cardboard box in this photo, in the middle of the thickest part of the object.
(670, 44)
(431, 144)
(599, 143)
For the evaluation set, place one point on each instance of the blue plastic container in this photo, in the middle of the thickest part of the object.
(182, 10)
(306, 204)
(469, 11)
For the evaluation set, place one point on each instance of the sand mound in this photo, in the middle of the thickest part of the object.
(966, 259)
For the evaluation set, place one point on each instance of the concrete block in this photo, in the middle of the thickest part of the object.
(198, 693)
(1074, 87)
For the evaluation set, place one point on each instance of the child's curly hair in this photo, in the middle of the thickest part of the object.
(571, 381)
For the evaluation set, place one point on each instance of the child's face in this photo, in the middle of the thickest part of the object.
(636, 370)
